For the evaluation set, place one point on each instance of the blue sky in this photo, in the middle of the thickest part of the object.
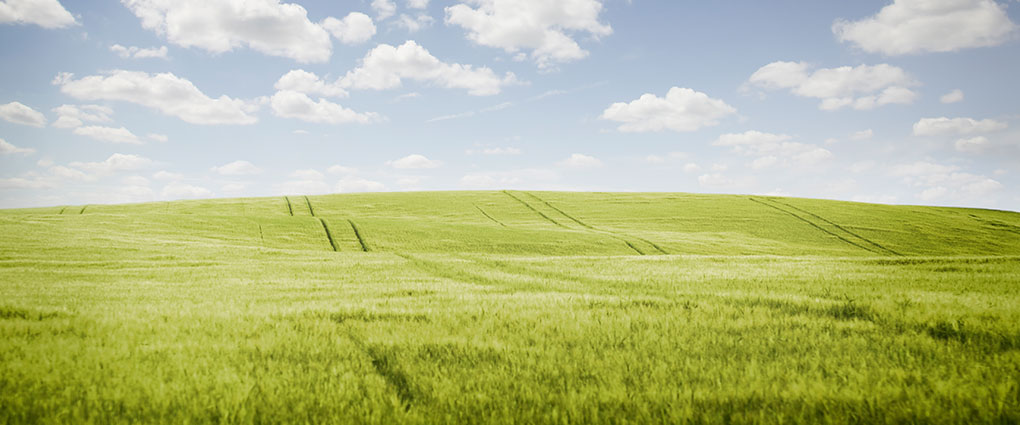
(905, 101)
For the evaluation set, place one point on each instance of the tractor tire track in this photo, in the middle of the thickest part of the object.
(528, 206)
(310, 209)
(329, 236)
(813, 225)
(62, 211)
(488, 216)
(357, 234)
(290, 209)
(82, 210)
(873, 243)
(616, 235)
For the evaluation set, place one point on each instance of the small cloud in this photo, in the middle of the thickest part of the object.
(340, 169)
(691, 167)
(108, 134)
(237, 168)
(138, 52)
(682, 110)
(9, 149)
(19, 113)
(862, 135)
(178, 190)
(580, 161)
(162, 138)
(414, 161)
(354, 184)
(166, 175)
(952, 97)
(972, 145)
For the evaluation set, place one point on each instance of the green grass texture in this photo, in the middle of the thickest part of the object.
(509, 307)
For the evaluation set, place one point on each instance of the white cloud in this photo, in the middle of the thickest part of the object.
(162, 138)
(952, 97)
(306, 82)
(138, 52)
(354, 184)
(340, 169)
(354, 28)
(691, 167)
(414, 161)
(955, 126)
(385, 65)
(541, 26)
(44, 13)
(218, 26)
(178, 190)
(9, 149)
(494, 151)
(972, 145)
(772, 149)
(18, 113)
(915, 26)
(237, 168)
(292, 104)
(307, 174)
(116, 162)
(860, 87)
(384, 8)
(415, 23)
(578, 160)
(682, 110)
(165, 92)
(862, 135)
(418, 4)
(944, 182)
(166, 175)
(70, 116)
(107, 134)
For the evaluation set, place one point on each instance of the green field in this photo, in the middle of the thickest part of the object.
(509, 307)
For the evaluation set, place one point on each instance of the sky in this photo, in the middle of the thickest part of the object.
(900, 102)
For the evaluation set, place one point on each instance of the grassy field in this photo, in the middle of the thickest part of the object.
(509, 307)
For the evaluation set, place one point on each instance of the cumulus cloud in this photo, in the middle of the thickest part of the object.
(218, 26)
(580, 161)
(915, 26)
(414, 23)
(384, 8)
(167, 175)
(44, 13)
(385, 66)
(544, 28)
(108, 134)
(71, 116)
(862, 135)
(237, 168)
(292, 104)
(414, 161)
(354, 28)
(356, 184)
(772, 149)
(162, 138)
(164, 92)
(944, 182)
(302, 81)
(115, 163)
(952, 97)
(9, 149)
(681, 110)
(178, 190)
(943, 126)
(860, 87)
(18, 113)
(418, 4)
(972, 145)
(138, 52)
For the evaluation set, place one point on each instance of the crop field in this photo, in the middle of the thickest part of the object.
(509, 307)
